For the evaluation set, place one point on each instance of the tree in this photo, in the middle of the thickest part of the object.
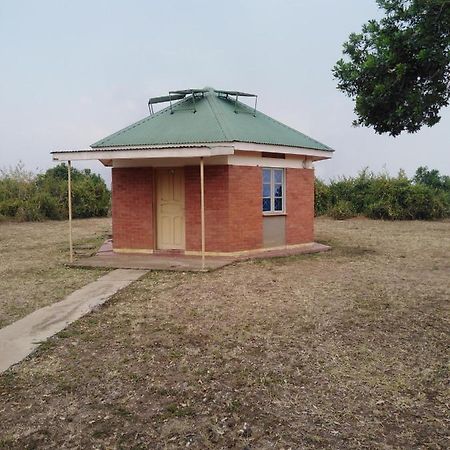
(398, 69)
(90, 196)
(432, 178)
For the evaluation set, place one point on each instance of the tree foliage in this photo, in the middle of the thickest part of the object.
(432, 178)
(25, 196)
(398, 69)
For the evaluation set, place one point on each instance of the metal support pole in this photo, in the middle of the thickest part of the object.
(193, 99)
(202, 208)
(69, 197)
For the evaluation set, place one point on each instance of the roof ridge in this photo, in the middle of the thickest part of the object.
(215, 113)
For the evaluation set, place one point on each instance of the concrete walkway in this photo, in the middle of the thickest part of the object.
(21, 338)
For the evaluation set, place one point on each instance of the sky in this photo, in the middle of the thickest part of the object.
(73, 72)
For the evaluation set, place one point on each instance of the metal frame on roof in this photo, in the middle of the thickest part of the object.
(182, 93)
(175, 95)
(237, 94)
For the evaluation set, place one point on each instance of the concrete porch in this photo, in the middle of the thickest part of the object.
(106, 258)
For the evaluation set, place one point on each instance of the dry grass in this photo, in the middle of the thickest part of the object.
(32, 257)
(341, 350)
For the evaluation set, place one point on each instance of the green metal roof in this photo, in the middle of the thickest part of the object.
(217, 118)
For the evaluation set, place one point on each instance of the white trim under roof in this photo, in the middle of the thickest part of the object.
(184, 151)
(254, 159)
(143, 153)
(270, 148)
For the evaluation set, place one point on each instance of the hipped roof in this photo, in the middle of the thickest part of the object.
(217, 118)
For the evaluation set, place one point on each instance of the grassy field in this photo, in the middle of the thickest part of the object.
(32, 257)
(347, 349)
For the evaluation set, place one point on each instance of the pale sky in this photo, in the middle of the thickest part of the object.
(73, 72)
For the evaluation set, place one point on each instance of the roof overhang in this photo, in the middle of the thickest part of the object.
(145, 152)
(316, 155)
(107, 154)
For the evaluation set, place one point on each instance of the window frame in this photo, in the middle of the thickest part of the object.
(272, 211)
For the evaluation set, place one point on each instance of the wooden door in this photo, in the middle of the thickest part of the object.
(170, 209)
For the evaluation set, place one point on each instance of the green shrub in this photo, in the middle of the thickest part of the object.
(381, 210)
(30, 212)
(425, 203)
(27, 197)
(342, 210)
(10, 206)
(424, 197)
(47, 205)
(321, 197)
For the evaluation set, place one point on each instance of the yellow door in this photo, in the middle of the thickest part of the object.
(170, 209)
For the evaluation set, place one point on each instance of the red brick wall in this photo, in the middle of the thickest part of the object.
(245, 203)
(233, 213)
(216, 208)
(299, 206)
(132, 208)
(233, 218)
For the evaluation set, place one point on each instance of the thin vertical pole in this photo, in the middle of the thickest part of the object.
(202, 208)
(193, 99)
(69, 195)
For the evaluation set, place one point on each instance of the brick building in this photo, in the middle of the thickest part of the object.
(208, 175)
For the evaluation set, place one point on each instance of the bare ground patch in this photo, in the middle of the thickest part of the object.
(32, 257)
(346, 349)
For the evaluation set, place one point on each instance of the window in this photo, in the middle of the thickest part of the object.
(273, 190)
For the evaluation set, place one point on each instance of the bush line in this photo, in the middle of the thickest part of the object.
(25, 196)
(426, 196)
